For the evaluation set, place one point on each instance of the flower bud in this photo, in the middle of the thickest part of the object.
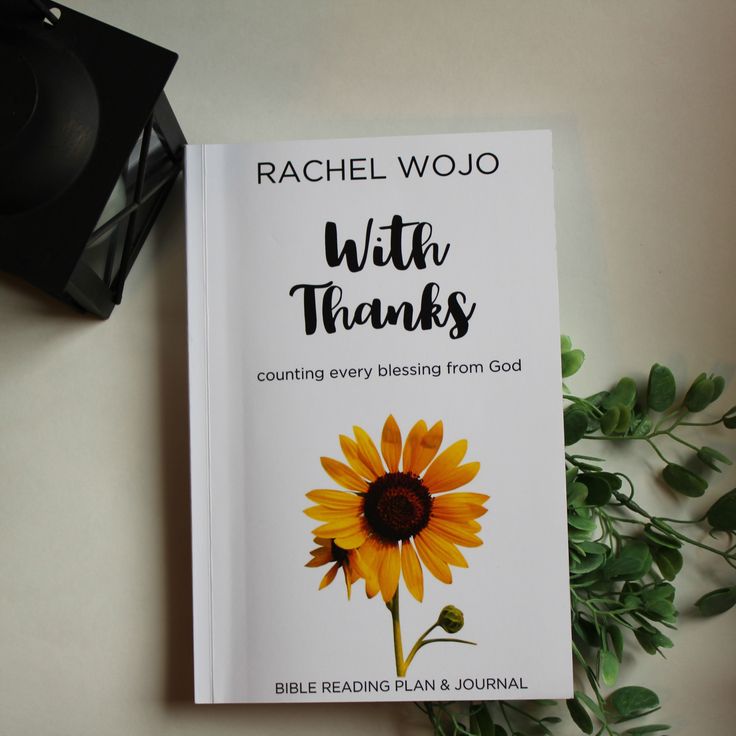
(451, 619)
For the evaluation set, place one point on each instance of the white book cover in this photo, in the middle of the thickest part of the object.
(378, 494)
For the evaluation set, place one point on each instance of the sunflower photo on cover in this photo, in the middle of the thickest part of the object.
(396, 514)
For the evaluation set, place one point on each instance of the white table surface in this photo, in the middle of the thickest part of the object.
(94, 531)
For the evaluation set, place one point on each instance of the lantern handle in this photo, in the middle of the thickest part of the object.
(44, 7)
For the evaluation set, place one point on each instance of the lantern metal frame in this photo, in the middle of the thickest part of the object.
(61, 242)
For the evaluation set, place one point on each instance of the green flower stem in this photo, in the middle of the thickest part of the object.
(420, 642)
(402, 665)
(398, 646)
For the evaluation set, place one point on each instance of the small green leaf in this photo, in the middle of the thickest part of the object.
(484, 721)
(722, 514)
(644, 637)
(623, 394)
(599, 490)
(650, 728)
(579, 715)
(700, 394)
(617, 641)
(729, 422)
(583, 523)
(659, 539)
(642, 427)
(576, 494)
(592, 706)
(651, 640)
(717, 601)
(571, 362)
(661, 388)
(575, 424)
(624, 420)
(684, 481)
(609, 421)
(597, 399)
(632, 700)
(719, 383)
(565, 343)
(632, 562)
(608, 667)
(710, 457)
(669, 562)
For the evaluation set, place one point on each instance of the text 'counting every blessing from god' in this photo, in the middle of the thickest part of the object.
(390, 370)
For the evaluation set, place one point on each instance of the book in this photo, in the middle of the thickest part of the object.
(377, 463)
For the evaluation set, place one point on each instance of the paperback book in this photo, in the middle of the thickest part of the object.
(378, 492)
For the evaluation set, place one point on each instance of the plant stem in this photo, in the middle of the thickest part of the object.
(398, 647)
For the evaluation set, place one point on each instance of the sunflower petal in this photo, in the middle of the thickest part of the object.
(443, 549)
(391, 444)
(320, 513)
(330, 576)
(412, 570)
(320, 557)
(412, 441)
(345, 526)
(335, 499)
(350, 450)
(371, 586)
(368, 452)
(388, 575)
(343, 475)
(445, 462)
(458, 477)
(457, 512)
(348, 581)
(454, 532)
(350, 541)
(438, 567)
(477, 499)
(426, 449)
(368, 557)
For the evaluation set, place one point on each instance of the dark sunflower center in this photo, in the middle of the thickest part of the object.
(338, 553)
(397, 506)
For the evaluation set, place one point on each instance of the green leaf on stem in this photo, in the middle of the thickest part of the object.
(659, 539)
(708, 456)
(669, 562)
(609, 421)
(599, 489)
(717, 601)
(700, 394)
(650, 728)
(624, 394)
(484, 722)
(571, 362)
(633, 700)
(722, 514)
(632, 562)
(719, 383)
(575, 424)
(579, 715)
(617, 641)
(684, 481)
(608, 667)
(661, 388)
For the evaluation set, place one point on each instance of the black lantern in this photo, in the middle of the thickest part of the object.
(89, 150)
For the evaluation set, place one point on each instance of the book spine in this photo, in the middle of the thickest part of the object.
(200, 431)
